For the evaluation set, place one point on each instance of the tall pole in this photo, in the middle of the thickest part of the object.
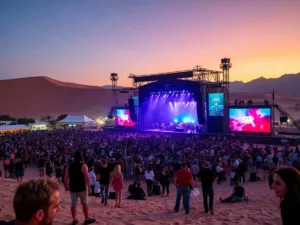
(114, 81)
(225, 66)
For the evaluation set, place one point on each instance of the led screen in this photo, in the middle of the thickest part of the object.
(123, 118)
(169, 109)
(216, 104)
(256, 120)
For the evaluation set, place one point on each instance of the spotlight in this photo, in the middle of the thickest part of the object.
(185, 120)
(175, 120)
(193, 121)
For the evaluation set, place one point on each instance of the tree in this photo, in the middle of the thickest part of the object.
(25, 121)
(48, 118)
(7, 118)
(52, 122)
(61, 117)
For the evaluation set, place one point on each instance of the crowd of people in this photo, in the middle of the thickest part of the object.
(86, 161)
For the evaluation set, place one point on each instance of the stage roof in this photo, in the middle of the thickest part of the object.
(163, 76)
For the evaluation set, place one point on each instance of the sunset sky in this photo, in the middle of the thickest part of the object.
(84, 41)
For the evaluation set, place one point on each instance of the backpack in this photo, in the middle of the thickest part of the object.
(156, 190)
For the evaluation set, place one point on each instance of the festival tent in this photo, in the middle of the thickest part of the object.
(77, 120)
(39, 126)
(13, 128)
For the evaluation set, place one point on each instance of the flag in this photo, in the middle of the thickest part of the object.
(273, 96)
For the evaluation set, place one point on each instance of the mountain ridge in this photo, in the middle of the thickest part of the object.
(287, 83)
(40, 96)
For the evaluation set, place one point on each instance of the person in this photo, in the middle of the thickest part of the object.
(238, 194)
(104, 181)
(207, 177)
(77, 180)
(156, 188)
(165, 180)
(194, 169)
(139, 192)
(149, 176)
(286, 186)
(36, 202)
(220, 172)
(138, 172)
(92, 177)
(183, 181)
(266, 168)
(241, 171)
(132, 188)
(97, 189)
(58, 173)
(19, 167)
(6, 167)
(41, 166)
(49, 169)
(117, 183)
(232, 177)
(136, 192)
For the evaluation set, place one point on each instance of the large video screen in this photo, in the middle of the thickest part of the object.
(216, 104)
(256, 120)
(169, 109)
(123, 118)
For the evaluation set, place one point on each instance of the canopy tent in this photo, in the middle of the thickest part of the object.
(39, 126)
(83, 120)
(13, 128)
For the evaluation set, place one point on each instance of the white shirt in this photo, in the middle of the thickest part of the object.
(92, 177)
(97, 187)
(219, 169)
(236, 163)
(149, 175)
(195, 169)
(232, 174)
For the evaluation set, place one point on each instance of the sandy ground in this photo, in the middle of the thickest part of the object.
(262, 208)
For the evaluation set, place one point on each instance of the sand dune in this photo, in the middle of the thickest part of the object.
(40, 96)
(262, 208)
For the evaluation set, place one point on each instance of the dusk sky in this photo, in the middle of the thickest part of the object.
(84, 41)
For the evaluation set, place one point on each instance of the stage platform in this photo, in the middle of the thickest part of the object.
(132, 129)
(167, 131)
(255, 139)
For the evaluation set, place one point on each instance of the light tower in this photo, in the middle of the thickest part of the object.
(114, 81)
(225, 66)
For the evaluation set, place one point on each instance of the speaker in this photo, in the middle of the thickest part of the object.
(200, 108)
(132, 110)
(283, 119)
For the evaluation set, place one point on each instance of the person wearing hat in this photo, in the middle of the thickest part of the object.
(207, 177)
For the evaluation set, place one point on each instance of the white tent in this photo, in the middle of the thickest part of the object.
(13, 127)
(39, 126)
(84, 120)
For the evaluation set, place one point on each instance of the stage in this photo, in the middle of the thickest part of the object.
(168, 131)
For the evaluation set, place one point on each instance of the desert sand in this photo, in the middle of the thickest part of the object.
(262, 208)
